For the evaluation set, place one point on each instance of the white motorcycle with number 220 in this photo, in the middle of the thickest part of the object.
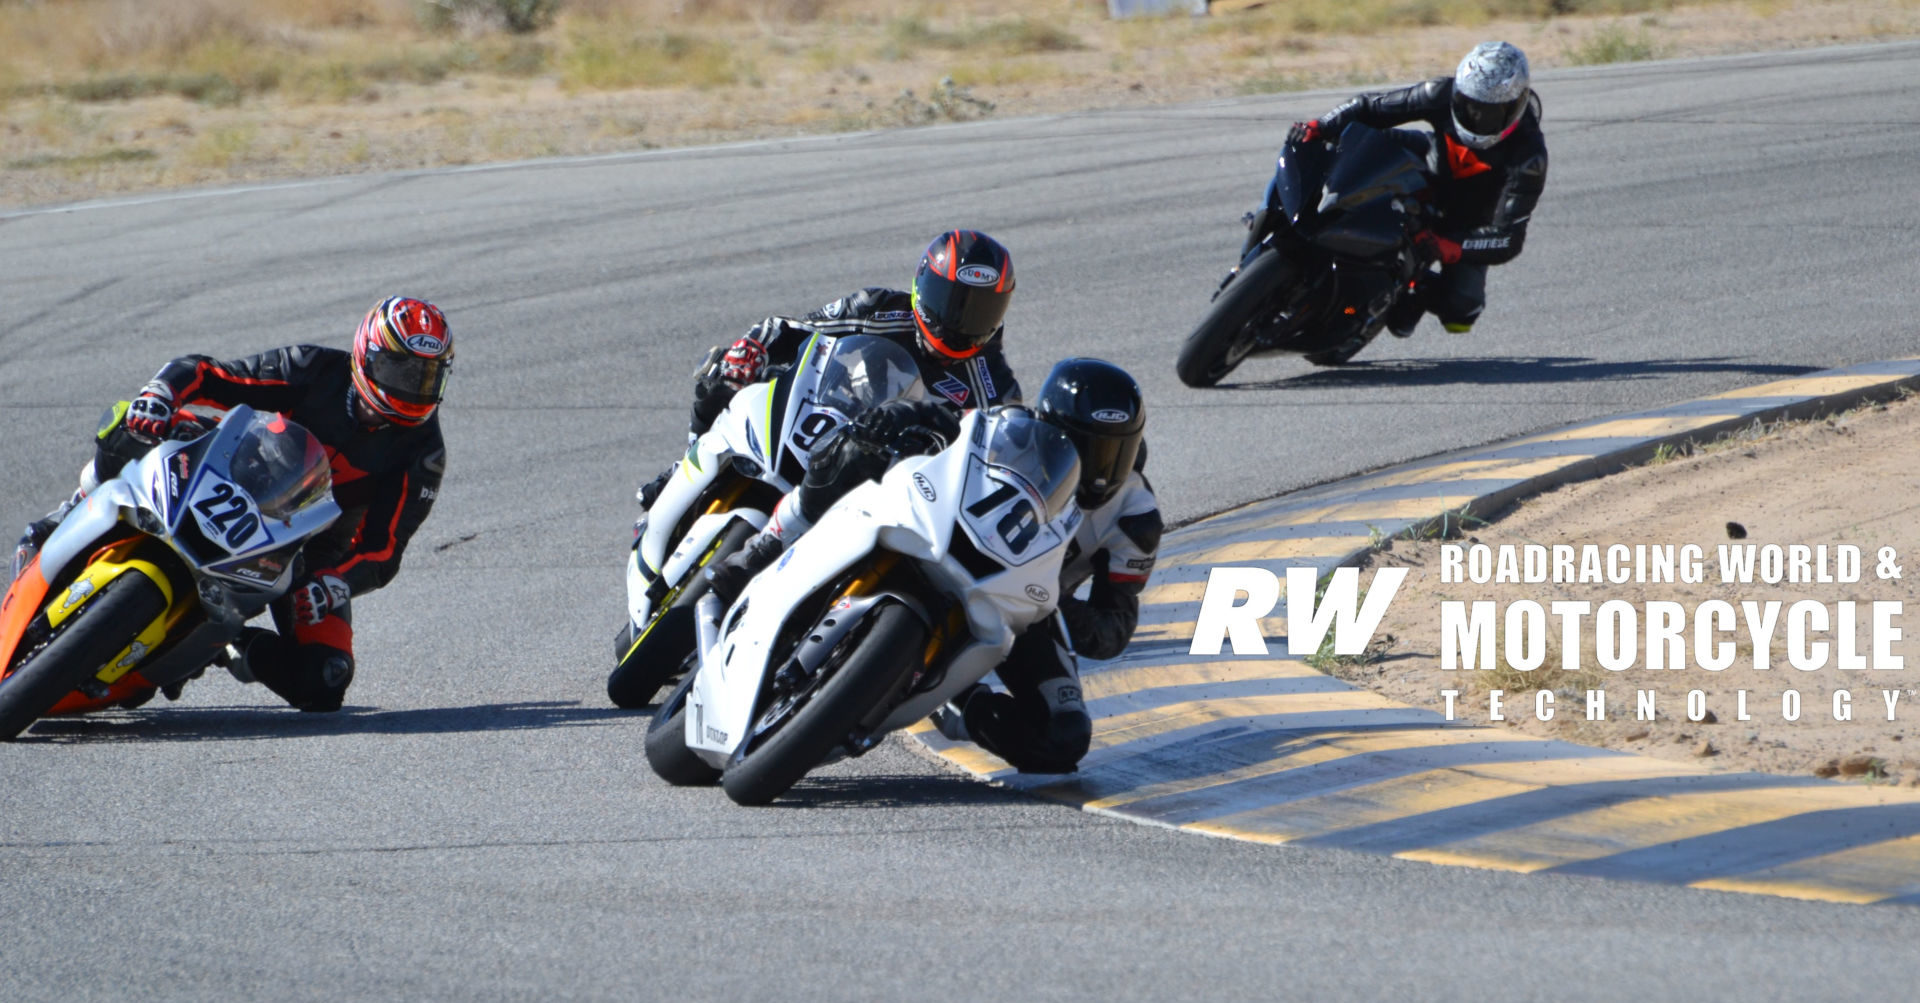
(908, 591)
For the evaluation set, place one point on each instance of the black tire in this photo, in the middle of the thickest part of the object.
(890, 647)
(667, 750)
(1222, 340)
(653, 662)
(97, 633)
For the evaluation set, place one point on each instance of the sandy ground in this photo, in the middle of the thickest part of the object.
(57, 150)
(1849, 479)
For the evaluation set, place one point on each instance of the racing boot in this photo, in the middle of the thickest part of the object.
(1405, 313)
(729, 578)
(1048, 732)
(37, 532)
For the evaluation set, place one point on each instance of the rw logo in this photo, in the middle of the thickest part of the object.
(1225, 617)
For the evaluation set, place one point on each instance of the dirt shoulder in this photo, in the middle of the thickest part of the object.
(1846, 480)
(228, 92)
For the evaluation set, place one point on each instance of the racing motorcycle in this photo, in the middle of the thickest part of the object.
(1336, 255)
(908, 591)
(725, 489)
(144, 584)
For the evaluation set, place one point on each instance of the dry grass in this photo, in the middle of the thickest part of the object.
(112, 95)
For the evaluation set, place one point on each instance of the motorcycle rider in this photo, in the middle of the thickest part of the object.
(1040, 725)
(373, 409)
(950, 321)
(1487, 120)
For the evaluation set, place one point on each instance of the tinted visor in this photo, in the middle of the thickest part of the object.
(1105, 462)
(961, 315)
(406, 377)
(1483, 119)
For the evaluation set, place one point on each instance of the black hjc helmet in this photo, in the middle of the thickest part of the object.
(1099, 407)
(961, 292)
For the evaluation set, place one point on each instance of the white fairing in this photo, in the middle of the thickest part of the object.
(774, 444)
(912, 511)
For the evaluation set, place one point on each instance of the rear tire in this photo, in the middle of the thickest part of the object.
(890, 647)
(1221, 341)
(98, 632)
(653, 662)
(667, 750)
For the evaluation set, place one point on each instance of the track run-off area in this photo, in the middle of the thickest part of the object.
(481, 824)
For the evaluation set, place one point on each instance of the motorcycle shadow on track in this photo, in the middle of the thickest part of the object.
(1509, 371)
(197, 724)
(907, 791)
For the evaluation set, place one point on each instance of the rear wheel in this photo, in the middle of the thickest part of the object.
(1228, 333)
(667, 750)
(651, 661)
(83, 645)
(821, 716)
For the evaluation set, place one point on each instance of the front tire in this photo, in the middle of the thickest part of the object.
(1223, 340)
(651, 662)
(890, 647)
(667, 750)
(97, 633)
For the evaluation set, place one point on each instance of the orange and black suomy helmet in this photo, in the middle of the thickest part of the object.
(400, 359)
(961, 292)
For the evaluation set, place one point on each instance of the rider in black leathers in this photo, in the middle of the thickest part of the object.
(374, 409)
(1490, 174)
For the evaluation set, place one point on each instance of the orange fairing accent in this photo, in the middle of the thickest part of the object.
(125, 688)
(1463, 162)
(18, 609)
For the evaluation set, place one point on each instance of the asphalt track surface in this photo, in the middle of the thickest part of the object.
(480, 825)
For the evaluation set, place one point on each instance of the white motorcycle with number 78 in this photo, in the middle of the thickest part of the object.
(909, 590)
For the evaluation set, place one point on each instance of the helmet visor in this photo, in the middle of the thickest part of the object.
(1105, 462)
(962, 316)
(1481, 118)
(407, 378)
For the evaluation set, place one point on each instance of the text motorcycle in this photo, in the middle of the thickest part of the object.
(145, 583)
(1336, 253)
(908, 591)
(725, 488)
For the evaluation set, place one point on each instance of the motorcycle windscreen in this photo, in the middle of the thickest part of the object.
(864, 371)
(1372, 165)
(281, 465)
(1040, 454)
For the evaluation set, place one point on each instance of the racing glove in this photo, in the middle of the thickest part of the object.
(148, 418)
(1304, 132)
(1437, 248)
(743, 363)
(318, 597)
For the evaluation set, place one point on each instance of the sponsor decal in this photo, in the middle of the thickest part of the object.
(1111, 415)
(986, 376)
(134, 654)
(893, 315)
(426, 344)
(835, 308)
(953, 388)
(1140, 563)
(978, 275)
(80, 590)
(246, 572)
(1038, 594)
(428, 494)
(716, 736)
(925, 486)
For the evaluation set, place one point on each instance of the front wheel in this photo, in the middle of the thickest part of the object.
(98, 632)
(890, 646)
(667, 750)
(651, 660)
(1227, 334)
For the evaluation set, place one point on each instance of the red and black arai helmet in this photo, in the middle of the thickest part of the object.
(401, 356)
(961, 292)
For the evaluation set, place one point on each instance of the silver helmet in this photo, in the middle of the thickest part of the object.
(1490, 91)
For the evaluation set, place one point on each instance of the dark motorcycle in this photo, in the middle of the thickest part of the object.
(1330, 254)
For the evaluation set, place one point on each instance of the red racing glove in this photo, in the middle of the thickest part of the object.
(743, 363)
(148, 418)
(318, 597)
(1304, 132)
(1437, 248)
